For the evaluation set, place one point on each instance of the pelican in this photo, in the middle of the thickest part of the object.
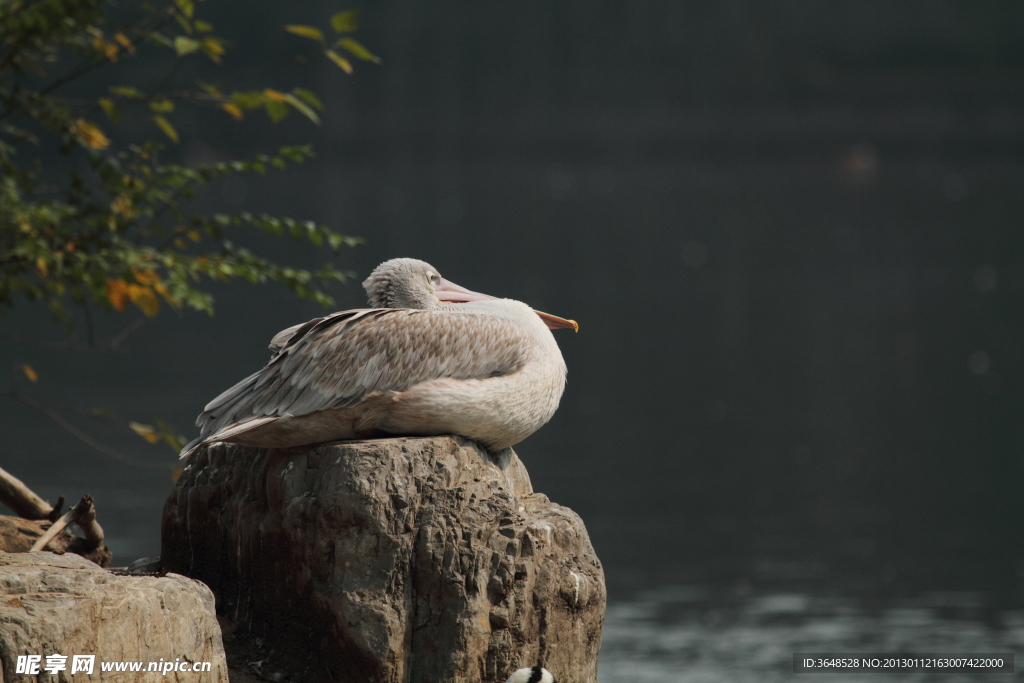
(533, 674)
(429, 357)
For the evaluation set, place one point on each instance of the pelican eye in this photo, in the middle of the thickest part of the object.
(435, 278)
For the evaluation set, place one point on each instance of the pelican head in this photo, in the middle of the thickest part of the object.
(533, 674)
(403, 283)
(411, 283)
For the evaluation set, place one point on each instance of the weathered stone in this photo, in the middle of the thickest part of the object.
(392, 560)
(65, 605)
(17, 536)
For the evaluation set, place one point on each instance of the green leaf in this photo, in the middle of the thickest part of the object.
(310, 99)
(186, 7)
(302, 107)
(310, 32)
(167, 128)
(345, 22)
(184, 45)
(345, 65)
(128, 91)
(162, 106)
(202, 26)
(275, 110)
(248, 100)
(113, 113)
(358, 50)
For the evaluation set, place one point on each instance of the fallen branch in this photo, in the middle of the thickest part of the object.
(23, 500)
(84, 515)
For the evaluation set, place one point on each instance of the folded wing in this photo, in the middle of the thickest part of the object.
(339, 360)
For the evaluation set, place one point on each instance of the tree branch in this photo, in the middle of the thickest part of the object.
(85, 438)
(113, 344)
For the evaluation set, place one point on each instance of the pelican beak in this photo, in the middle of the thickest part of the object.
(555, 323)
(449, 291)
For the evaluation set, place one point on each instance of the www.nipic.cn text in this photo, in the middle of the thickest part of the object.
(86, 664)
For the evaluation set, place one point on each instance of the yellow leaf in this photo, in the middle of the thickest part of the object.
(166, 127)
(127, 91)
(145, 277)
(232, 109)
(212, 48)
(113, 113)
(310, 32)
(122, 205)
(145, 299)
(162, 106)
(340, 61)
(180, 243)
(100, 44)
(125, 43)
(194, 235)
(44, 269)
(273, 95)
(145, 431)
(89, 135)
(29, 372)
(117, 294)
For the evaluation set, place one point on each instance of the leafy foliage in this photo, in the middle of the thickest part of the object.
(113, 229)
(90, 216)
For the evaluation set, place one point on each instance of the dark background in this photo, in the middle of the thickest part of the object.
(791, 232)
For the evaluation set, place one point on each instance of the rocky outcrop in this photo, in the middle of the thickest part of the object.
(392, 560)
(66, 605)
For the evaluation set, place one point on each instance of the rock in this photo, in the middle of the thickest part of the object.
(17, 536)
(404, 559)
(66, 605)
(144, 565)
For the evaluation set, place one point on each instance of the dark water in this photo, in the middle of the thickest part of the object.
(684, 634)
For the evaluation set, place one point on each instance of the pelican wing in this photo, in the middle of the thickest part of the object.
(293, 333)
(341, 359)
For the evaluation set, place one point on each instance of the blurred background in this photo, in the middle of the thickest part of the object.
(791, 231)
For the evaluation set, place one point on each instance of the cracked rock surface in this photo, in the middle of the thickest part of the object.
(390, 560)
(66, 605)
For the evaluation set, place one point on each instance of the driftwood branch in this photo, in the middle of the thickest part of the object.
(20, 498)
(84, 515)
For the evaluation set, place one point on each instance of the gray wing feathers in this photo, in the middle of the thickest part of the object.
(339, 360)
